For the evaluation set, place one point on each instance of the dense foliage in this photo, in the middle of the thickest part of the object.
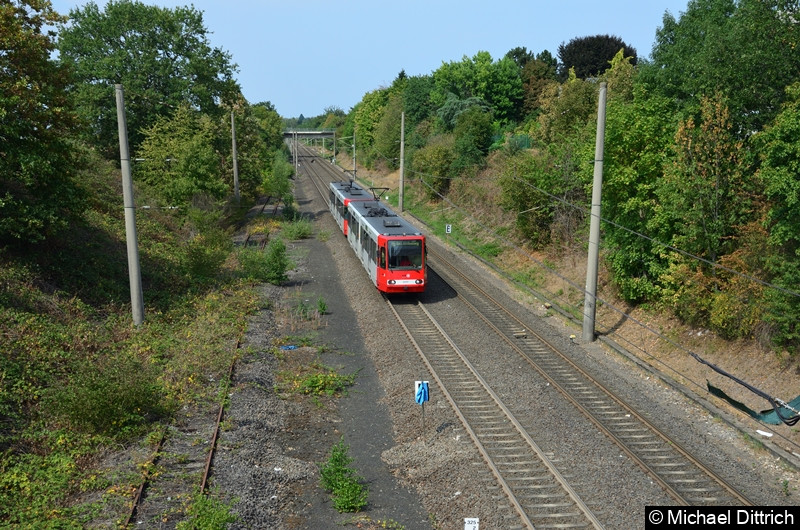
(161, 57)
(38, 160)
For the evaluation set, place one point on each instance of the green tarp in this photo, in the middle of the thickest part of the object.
(769, 416)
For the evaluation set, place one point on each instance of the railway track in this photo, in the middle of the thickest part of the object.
(682, 476)
(535, 489)
(540, 496)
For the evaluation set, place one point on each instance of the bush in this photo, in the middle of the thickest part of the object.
(111, 397)
(298, 228)
(206, 253)
(252, 264)
(434, 163)
(210, 245)
(277, 262)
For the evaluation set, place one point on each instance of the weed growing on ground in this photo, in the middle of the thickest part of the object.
(322, 306)
(299, 228)
(321, 381)
(207, 513)
(342, 481)
(296, 340)
(368, 523)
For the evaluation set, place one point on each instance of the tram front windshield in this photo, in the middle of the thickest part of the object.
(405, 254)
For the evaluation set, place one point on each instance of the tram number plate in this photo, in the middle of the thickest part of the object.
(471, 523)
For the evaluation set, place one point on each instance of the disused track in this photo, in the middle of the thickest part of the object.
(146, 476)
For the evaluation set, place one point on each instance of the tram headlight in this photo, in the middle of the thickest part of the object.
(391, 282)
(418, 282)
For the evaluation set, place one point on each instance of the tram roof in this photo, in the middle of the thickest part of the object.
(383, 220)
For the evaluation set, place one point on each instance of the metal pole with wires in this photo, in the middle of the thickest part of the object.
(235, 159)
(402, 157)
(590, 301)
(134, 273)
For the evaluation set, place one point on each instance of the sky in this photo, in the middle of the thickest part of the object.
(305, 56)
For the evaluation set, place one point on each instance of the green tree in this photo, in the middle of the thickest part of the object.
(497, 83)
(521, 56)
(780, 152)
(541, 189)
(565, 109)
(161, 56)
(504, 91)
(621, 78)
(277, 180)
(387, 133)
(433, 164)
(38, 192)
(703, 196)
(453, 107)
(473, 137)
(178, 158)
(417, 99)
(590, 56)
(744, 49)
(367, 114)
(259, 131)
(269, 124)
(536, 75)
(639, 135)
(704, 201)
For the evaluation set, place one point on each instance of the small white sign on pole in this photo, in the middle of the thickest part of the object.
(448, 228)
(471, 523)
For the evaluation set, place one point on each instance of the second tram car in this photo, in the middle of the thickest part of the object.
(390, 249)
(340, 195)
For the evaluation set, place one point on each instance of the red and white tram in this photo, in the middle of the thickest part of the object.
(391, 250)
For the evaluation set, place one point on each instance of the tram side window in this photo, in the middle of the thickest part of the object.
(371, 246)
(365, 240)
(382, 258)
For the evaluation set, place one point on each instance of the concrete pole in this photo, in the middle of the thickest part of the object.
(354, 155)
(235, 159)
(590, 302)
(402, 156)
(134, 273)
